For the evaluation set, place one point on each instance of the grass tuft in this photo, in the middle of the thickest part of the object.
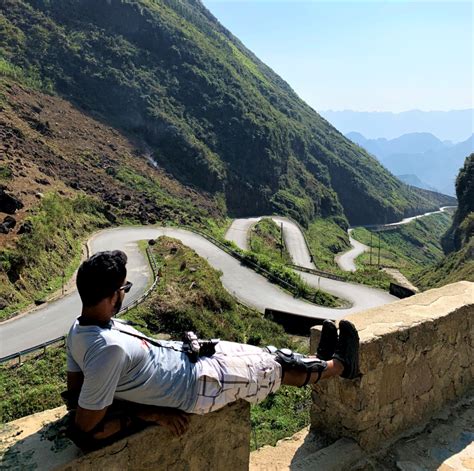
(50, 253)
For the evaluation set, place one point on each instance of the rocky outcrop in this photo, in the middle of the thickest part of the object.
(462, 228)
(7, 225)
(25, 228)
(8, 203)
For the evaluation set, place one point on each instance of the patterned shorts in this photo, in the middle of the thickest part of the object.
(235, 371)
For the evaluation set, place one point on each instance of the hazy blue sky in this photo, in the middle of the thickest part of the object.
(371, 56)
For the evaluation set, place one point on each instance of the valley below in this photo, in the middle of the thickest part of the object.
(53, 320)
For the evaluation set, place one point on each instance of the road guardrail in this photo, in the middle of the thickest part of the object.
(130, 304)
(314, 271)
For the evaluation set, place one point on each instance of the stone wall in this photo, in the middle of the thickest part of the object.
(220, 440)
(416, 355)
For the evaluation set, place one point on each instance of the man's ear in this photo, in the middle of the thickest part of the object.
(113, 297)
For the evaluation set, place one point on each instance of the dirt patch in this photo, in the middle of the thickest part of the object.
(47, 144)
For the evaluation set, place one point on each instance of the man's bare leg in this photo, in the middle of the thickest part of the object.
(344, 362)
(293, 377)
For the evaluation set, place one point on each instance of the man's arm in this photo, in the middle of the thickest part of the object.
(87, 420)
(97, 389)
(74, 381)
(176, 421)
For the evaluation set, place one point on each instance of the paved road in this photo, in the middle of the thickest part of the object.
(359, 296)
(407, 220)
(54, 320)
(346, 261)
(294, 239)
(295, 242)
(238, 231)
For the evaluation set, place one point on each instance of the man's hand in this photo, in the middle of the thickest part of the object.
(174, 420)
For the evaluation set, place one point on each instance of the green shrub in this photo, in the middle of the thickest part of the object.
(291, 280)
(35, 267)
(5, 172)
(265, 239)
(31, 77)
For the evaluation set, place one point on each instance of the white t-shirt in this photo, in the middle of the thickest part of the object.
(117, 365)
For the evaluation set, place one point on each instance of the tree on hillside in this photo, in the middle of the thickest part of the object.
(462, 228)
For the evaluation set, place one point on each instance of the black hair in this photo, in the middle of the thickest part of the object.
(100, 276)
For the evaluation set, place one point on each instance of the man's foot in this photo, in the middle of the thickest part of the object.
(347, 350)
(328, 341)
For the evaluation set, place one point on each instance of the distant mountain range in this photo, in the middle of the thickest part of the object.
(426, 160)
(413, 180)
(454, 126)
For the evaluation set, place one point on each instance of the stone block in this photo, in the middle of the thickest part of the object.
(417, 380)
(315, 335)
(391, 383)
(372, 356)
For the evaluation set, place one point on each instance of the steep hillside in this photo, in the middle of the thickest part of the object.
(463, 223)
(409, 247)
(458, 241)
(47, 144)
(212, 114)
(64, 175)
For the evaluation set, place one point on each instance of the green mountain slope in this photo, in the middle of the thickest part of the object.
(62, 176)
(463, 223)
(214, 115)
(458, 241)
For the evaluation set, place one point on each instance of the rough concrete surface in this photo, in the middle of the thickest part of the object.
(215, 441)
(445, 443)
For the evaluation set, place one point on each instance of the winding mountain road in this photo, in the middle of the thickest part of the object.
(413, 218)
(360, 297)
(346, 260)
(239, 231)
(54, 319)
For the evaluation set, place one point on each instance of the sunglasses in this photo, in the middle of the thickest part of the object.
(126, 287)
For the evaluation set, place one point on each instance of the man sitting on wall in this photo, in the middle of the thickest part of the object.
(107, 360)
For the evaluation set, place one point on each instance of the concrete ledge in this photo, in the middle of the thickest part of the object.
(416, 356)
(220, 440)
